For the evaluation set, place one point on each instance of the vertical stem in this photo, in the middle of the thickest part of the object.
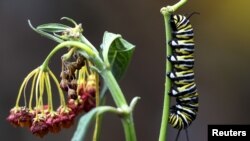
(114, 88)
(127, 120)
(96, 135)
(129, 129)
(98, 123)
(97, 131)
(32, 89)
(165, 113)
(166, 12)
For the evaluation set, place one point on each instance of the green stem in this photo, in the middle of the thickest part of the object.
(36, 87)
(32, 89)
(128, 126)
(26, 79)
(97, 131)
(165, 113)
(114, 88)
(87, 42)
(166, 12)
(61, 96)
(178, 5)
(98, 122)
(127, 119)
(67, 44)
(49, 92)
(41, 89)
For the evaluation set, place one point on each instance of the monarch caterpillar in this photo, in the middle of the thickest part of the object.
(182, 74)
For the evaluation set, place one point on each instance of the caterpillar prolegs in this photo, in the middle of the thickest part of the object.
(182, 74)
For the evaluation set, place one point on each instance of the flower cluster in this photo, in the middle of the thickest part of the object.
(81, 85)
(41, 121)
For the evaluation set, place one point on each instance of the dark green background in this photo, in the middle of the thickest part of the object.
(222, 58)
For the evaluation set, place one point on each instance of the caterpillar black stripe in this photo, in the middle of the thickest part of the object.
(182, 75)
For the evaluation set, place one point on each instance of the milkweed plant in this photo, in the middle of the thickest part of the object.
(86, 75)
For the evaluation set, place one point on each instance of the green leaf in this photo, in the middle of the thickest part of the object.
(116, 53)
(45, 34)
(85, 121)
(52, 27)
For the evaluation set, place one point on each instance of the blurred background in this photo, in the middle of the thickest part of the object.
(222, 59)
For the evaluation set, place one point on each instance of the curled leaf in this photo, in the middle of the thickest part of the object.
(117, 53)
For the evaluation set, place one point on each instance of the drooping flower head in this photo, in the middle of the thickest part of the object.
(38, 114)
(76, 91)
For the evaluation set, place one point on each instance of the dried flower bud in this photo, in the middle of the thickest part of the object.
(80, 62)
(64, 75)
(73, 84)
(64, 84)
(72, 94)
(71, 70)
